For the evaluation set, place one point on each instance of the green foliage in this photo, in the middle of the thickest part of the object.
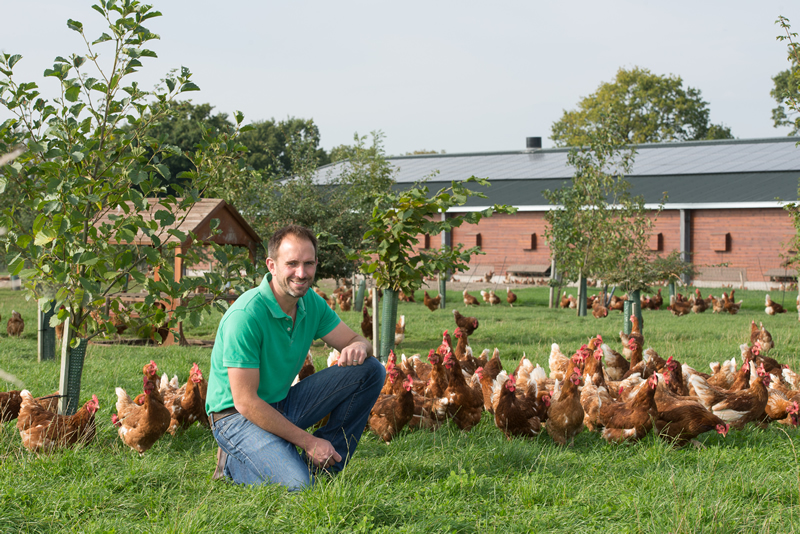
(398, 219)
(339, 207)
(273, 146)
(786, 89)
(185, 125)
(647, 107)
(92, 155)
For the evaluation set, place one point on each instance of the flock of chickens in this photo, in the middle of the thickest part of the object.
(164, 406)
(119, 323)
(489, 297)
(623, 396)
(679, 304)
(343, 297)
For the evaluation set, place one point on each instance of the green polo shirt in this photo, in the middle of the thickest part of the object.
(256, 334)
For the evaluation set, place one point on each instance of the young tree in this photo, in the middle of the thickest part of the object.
(786, 89)
(597, 229)
(398, 219)
(588, 224)
(649, 107)
(790, 98)
(91, 157)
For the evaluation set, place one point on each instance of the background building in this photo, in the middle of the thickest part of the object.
(722, 203)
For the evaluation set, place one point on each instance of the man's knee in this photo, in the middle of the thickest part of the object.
(376, 370)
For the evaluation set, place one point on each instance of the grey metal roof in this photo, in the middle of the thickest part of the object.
(746, 170)
(690, 189)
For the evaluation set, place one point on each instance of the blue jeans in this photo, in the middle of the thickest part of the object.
(256, 456)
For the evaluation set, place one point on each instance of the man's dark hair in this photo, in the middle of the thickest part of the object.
(299, 232)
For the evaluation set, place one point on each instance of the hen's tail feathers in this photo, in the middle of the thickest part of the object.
(702, 389)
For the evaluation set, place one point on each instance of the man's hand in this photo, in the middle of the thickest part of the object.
(353, 354)
(353, 349)
(321, 452)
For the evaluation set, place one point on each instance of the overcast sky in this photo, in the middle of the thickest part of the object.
(457, 76)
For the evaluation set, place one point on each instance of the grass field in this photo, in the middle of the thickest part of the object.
(446, 481)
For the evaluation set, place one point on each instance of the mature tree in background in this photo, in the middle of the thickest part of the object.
(273, 145)
(647, 107)
(184, 125)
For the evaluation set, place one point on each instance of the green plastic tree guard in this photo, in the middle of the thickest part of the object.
(47, 334)
(388, 322)
(442, 292)
(71, 371)
(582, 297)
(362, 287)
(633, 306)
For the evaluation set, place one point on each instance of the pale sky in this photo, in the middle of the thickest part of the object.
(460, 76)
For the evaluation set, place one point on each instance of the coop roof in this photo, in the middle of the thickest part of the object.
(234, 230)
(726, 173)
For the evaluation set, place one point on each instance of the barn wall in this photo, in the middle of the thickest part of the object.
(506, 239)
(757, 239)
(668, 224)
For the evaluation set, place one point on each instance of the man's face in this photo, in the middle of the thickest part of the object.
(295, 266)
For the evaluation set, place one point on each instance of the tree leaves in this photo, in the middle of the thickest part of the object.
(388, 251)
(103, 167)
(75, 25)
(597, 229)
(12, 60)
(643, 108)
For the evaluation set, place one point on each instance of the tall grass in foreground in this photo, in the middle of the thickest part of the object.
(446, 481)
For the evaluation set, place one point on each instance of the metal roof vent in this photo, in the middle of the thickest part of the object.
(533, 142)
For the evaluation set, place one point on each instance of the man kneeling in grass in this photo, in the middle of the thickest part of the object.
(257, 416)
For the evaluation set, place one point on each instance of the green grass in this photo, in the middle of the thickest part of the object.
(446, 481)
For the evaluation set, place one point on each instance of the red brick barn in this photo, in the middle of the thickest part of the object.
(724, 204)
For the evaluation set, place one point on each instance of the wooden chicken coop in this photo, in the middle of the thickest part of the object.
(232, 230)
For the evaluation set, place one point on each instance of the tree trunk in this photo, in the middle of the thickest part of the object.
(442, 291)
(609, 296)
(553, 301)
(47, 334)
(388, 322)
